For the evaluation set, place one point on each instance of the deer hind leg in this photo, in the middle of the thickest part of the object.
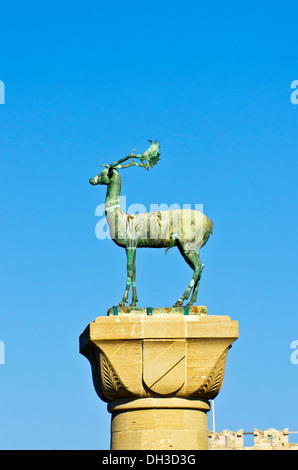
(195, 290)
(193, 259)
(131, 277)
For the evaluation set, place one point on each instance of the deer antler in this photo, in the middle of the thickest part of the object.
(147, 159)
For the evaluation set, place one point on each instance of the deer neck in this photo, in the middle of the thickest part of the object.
(113, 195)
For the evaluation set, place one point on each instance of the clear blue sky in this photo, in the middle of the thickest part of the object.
(85, 82)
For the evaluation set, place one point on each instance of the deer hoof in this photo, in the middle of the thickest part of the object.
(178, 303)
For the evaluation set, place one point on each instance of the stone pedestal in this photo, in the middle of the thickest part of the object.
(157, 372)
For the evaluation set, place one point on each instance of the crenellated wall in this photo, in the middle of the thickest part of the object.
(271, 439)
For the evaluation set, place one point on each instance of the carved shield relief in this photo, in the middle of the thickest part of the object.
(164, 365)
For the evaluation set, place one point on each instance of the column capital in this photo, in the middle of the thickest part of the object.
(138, 356)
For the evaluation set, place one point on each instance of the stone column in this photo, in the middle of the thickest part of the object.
(157, 369)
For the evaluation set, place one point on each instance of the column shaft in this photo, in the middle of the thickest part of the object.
(162, 423)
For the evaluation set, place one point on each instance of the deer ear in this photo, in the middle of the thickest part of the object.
(110, 172)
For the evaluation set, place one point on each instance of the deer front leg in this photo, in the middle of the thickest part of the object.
(132, 272)
(130, 279)
(125, 297)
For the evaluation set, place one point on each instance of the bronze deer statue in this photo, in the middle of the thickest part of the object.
(187, 229)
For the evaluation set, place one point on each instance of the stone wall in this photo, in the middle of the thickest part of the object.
(271, 439)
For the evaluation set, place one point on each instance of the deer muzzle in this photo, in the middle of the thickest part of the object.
(94, 180)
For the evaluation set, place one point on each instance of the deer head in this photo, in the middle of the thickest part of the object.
(146, 160)
(103, 178)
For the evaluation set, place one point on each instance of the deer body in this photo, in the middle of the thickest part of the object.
(187, 229)
(161, 229)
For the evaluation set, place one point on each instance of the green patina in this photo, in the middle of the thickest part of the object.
(187, 229)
